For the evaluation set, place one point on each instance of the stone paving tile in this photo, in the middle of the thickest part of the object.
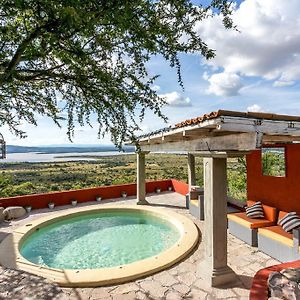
(141, 295)
(197, 294)
(100, 294)
(183, 289)
(173, 296)
(203, 285)
(153, 288)
(242, 292)
(125, 288)
(129, 296)
(187, 278)
(17, 284)
(270, 262)
(182, 281)
(165, 279)
(224, 293)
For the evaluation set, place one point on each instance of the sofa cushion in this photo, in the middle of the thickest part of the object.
(269, 211)
(281, 214)
(278, 234)
(242, 219)
(255, 211)
(289, 222)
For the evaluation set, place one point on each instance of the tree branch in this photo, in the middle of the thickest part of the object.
(17, 56)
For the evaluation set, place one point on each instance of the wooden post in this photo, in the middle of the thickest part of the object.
(191, 170)
(214, 267)
(141, 178)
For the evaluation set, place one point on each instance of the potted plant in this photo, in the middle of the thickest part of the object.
(157, 190)
(51, 205)
(124, 194)
(170, 188)
(74, 202)
(28, 208)
(98, 198)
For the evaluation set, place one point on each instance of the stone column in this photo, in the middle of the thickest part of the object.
(191, 170)
(141, 182)
(214, 267)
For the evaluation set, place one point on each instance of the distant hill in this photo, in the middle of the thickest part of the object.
(64, 149)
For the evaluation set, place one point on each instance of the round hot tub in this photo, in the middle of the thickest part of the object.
(107, 245)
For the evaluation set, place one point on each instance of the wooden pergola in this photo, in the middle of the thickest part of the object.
(216, 136)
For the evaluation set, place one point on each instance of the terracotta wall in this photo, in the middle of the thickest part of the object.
(180, 187)
(84, 195)
(280, 192)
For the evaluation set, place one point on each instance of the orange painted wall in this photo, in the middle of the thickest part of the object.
(180, 187)
(90, 194)
(280, 192)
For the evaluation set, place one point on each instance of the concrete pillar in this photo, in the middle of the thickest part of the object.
(191, 170)
(141, 181)
(214, 267)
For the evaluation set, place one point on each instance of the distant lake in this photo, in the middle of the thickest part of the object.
(56, 157)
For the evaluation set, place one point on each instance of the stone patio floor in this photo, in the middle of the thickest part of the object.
(181, 281)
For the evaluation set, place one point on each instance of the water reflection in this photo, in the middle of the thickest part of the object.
(53, 157)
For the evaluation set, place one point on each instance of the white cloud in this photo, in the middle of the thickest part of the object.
(205, 76)
(254, 108)
(280, 83)
(155, 87)
(224, 84)
(176, 99)
(267, 44)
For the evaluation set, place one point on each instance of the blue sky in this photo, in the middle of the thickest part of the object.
(256, 69)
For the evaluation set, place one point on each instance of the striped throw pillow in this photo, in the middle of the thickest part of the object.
(290, 221)
(255, 211)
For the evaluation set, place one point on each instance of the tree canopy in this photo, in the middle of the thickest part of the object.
(77, 58)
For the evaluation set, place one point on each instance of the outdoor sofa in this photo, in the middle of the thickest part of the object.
(278, 243)
(246, 228)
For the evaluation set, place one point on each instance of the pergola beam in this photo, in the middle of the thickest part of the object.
(220, 154)
(230, 142)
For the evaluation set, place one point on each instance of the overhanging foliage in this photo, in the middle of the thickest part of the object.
(87, 57)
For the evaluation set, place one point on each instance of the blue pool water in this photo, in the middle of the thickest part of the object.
(99, 240)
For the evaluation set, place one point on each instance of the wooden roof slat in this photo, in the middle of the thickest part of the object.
(229, 113)
(266, 127)
(258, 115)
